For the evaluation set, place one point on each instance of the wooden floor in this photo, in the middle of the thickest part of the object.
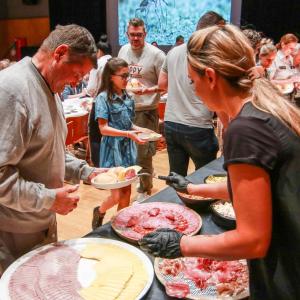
(78, 223)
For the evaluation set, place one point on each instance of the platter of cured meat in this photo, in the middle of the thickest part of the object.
(202, 278)
(133, 222)
(81, 269)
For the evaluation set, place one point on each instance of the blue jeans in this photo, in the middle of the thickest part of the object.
(185, 142)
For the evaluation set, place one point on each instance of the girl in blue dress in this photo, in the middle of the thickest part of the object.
(114, 111)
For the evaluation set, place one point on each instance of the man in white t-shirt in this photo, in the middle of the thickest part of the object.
(103, 55)
(145, 62)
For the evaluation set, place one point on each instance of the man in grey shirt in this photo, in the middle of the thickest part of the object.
(145, 62)
(188, 123)
(33, 161)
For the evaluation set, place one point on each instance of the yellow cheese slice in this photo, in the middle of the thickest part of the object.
(120, 274)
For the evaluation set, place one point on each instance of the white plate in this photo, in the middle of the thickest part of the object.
(79, 113)
(147, 136)
(134, 90)
(112, 186)
(85, 271)
(286, 88)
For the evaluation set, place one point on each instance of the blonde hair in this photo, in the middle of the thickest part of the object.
(286, 39)
(227, 50)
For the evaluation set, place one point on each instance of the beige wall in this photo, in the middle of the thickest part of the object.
(35, 30)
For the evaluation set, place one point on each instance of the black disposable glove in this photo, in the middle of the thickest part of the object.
(176, 181)
(163, 242)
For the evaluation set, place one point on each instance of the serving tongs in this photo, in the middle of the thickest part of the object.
(153, 175)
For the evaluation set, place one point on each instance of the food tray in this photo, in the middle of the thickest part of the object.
(196, 202)
(85, 272)
(196, 293)
(220, 219)
(120, 220)
(218, 178)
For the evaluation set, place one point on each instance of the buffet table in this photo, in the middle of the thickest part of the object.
(76, 112)
(157, 291)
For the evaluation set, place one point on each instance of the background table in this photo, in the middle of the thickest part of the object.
(157, 290)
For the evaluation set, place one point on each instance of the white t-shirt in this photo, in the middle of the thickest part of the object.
(95, 76)
(144, 65)
(282, 67)
(183, 106)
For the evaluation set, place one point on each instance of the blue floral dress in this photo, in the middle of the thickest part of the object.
(119, 112)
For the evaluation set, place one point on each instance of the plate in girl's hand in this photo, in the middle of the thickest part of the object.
(150, 137)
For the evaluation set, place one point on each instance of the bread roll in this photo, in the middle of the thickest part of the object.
(104, 178)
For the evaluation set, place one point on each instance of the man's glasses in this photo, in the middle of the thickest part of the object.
(123, 76)
(133, 35)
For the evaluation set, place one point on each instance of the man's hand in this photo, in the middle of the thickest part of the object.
(163, 242)
(65, 201)
(176, 181)
(96, 172)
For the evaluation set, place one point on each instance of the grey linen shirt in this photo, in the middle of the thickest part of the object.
(33, 160)
(183, 105)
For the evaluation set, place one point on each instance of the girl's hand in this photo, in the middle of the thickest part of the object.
(133, 135)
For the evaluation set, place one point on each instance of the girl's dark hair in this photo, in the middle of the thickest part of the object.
(104, 45)
(111, 67)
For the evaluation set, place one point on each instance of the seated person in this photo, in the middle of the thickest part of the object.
(77, 91)
(296, 63)
(266, 55)
(282, 69)
(296, 58)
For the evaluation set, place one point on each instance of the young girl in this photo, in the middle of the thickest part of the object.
(114, 111)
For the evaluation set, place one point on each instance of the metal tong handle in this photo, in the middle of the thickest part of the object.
(152, 175)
